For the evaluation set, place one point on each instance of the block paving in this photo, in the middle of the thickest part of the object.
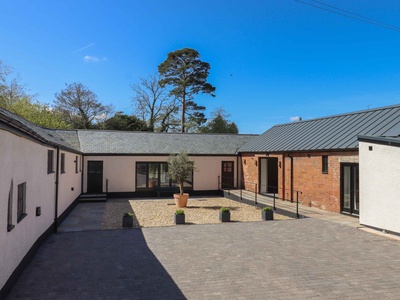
(293, 259)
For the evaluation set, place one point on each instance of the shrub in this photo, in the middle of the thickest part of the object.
(267, 208)
(180, 212)
(225, 209)
(128, 214)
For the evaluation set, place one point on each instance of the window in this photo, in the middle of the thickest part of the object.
(76, 164)
(325, 164)
(152, 174)
(21, 208)
(62, 163)
(10, 225)
(50, 161)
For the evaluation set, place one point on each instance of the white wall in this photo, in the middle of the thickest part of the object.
(69, 187)
(380, 186)
(121, 171)
(23, 160)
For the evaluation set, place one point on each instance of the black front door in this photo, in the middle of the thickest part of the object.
(95, 177)
(272, 175)
(227, 175)
(349, 187)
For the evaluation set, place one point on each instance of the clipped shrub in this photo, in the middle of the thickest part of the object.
(267, 208)
(180, 212)
(225, 209)
(128, 214)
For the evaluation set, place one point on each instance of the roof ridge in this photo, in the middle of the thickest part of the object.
(339, 115)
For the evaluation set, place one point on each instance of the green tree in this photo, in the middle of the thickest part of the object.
(39, 114)
(121, 121)
(187, 75)
(80, 107)
(219, 123)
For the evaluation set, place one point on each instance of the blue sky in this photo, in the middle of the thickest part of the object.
(270, 60)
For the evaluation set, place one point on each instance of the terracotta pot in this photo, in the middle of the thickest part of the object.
(181, 200)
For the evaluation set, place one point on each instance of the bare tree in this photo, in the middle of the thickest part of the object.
(11, 90)
(153, 104)
(80, 106)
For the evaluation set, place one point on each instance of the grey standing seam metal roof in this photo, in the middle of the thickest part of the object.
(338, 132)
(147, 143)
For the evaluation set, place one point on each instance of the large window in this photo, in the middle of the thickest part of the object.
(152, 174)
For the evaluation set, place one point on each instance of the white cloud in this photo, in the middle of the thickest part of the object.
(94, 59)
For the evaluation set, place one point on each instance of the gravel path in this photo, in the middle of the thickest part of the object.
(156, 213)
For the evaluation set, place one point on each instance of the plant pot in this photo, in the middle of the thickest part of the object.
(179, 219)
(224, 216)
(127, 221)
(181, 200)
(267, 215)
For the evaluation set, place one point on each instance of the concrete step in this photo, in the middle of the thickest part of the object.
(93, 198)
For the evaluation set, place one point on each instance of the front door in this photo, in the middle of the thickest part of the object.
(350, 201)
(95, 177)
(227, 175)
(268, 171)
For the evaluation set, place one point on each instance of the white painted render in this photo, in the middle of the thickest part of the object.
(70, 182)
(380, 186)
(121, 171)
(23, 160)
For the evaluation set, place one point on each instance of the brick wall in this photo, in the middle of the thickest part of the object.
(318, 189)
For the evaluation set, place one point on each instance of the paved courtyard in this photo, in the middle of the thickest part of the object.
(293, 259)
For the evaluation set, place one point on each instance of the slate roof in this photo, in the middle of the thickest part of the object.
(67, 139)
(128, 142)
(337, 132)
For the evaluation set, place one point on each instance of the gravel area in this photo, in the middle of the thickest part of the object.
(156, 213)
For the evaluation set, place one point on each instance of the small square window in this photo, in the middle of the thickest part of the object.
(21, 205)
(62, 163)
(325, 164)
(50, 161)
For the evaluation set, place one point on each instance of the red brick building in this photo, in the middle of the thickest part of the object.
(317, 157)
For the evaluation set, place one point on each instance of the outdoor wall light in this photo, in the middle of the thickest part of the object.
(255, 163)
(244, 161)
(38, 211)
(280, 164)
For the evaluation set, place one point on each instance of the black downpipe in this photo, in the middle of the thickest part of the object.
(82, 168)
(291, 178)
(57, 183)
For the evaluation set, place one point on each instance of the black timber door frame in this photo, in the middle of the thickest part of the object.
(227, 174)
(349, 188)
(272, 169)
(95, 176)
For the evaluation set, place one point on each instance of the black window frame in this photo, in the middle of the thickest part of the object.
(10, 225)
(21, 204)
(50, 161)
(172, 183)
(325, 164)
(62, 166)
(76, 165)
